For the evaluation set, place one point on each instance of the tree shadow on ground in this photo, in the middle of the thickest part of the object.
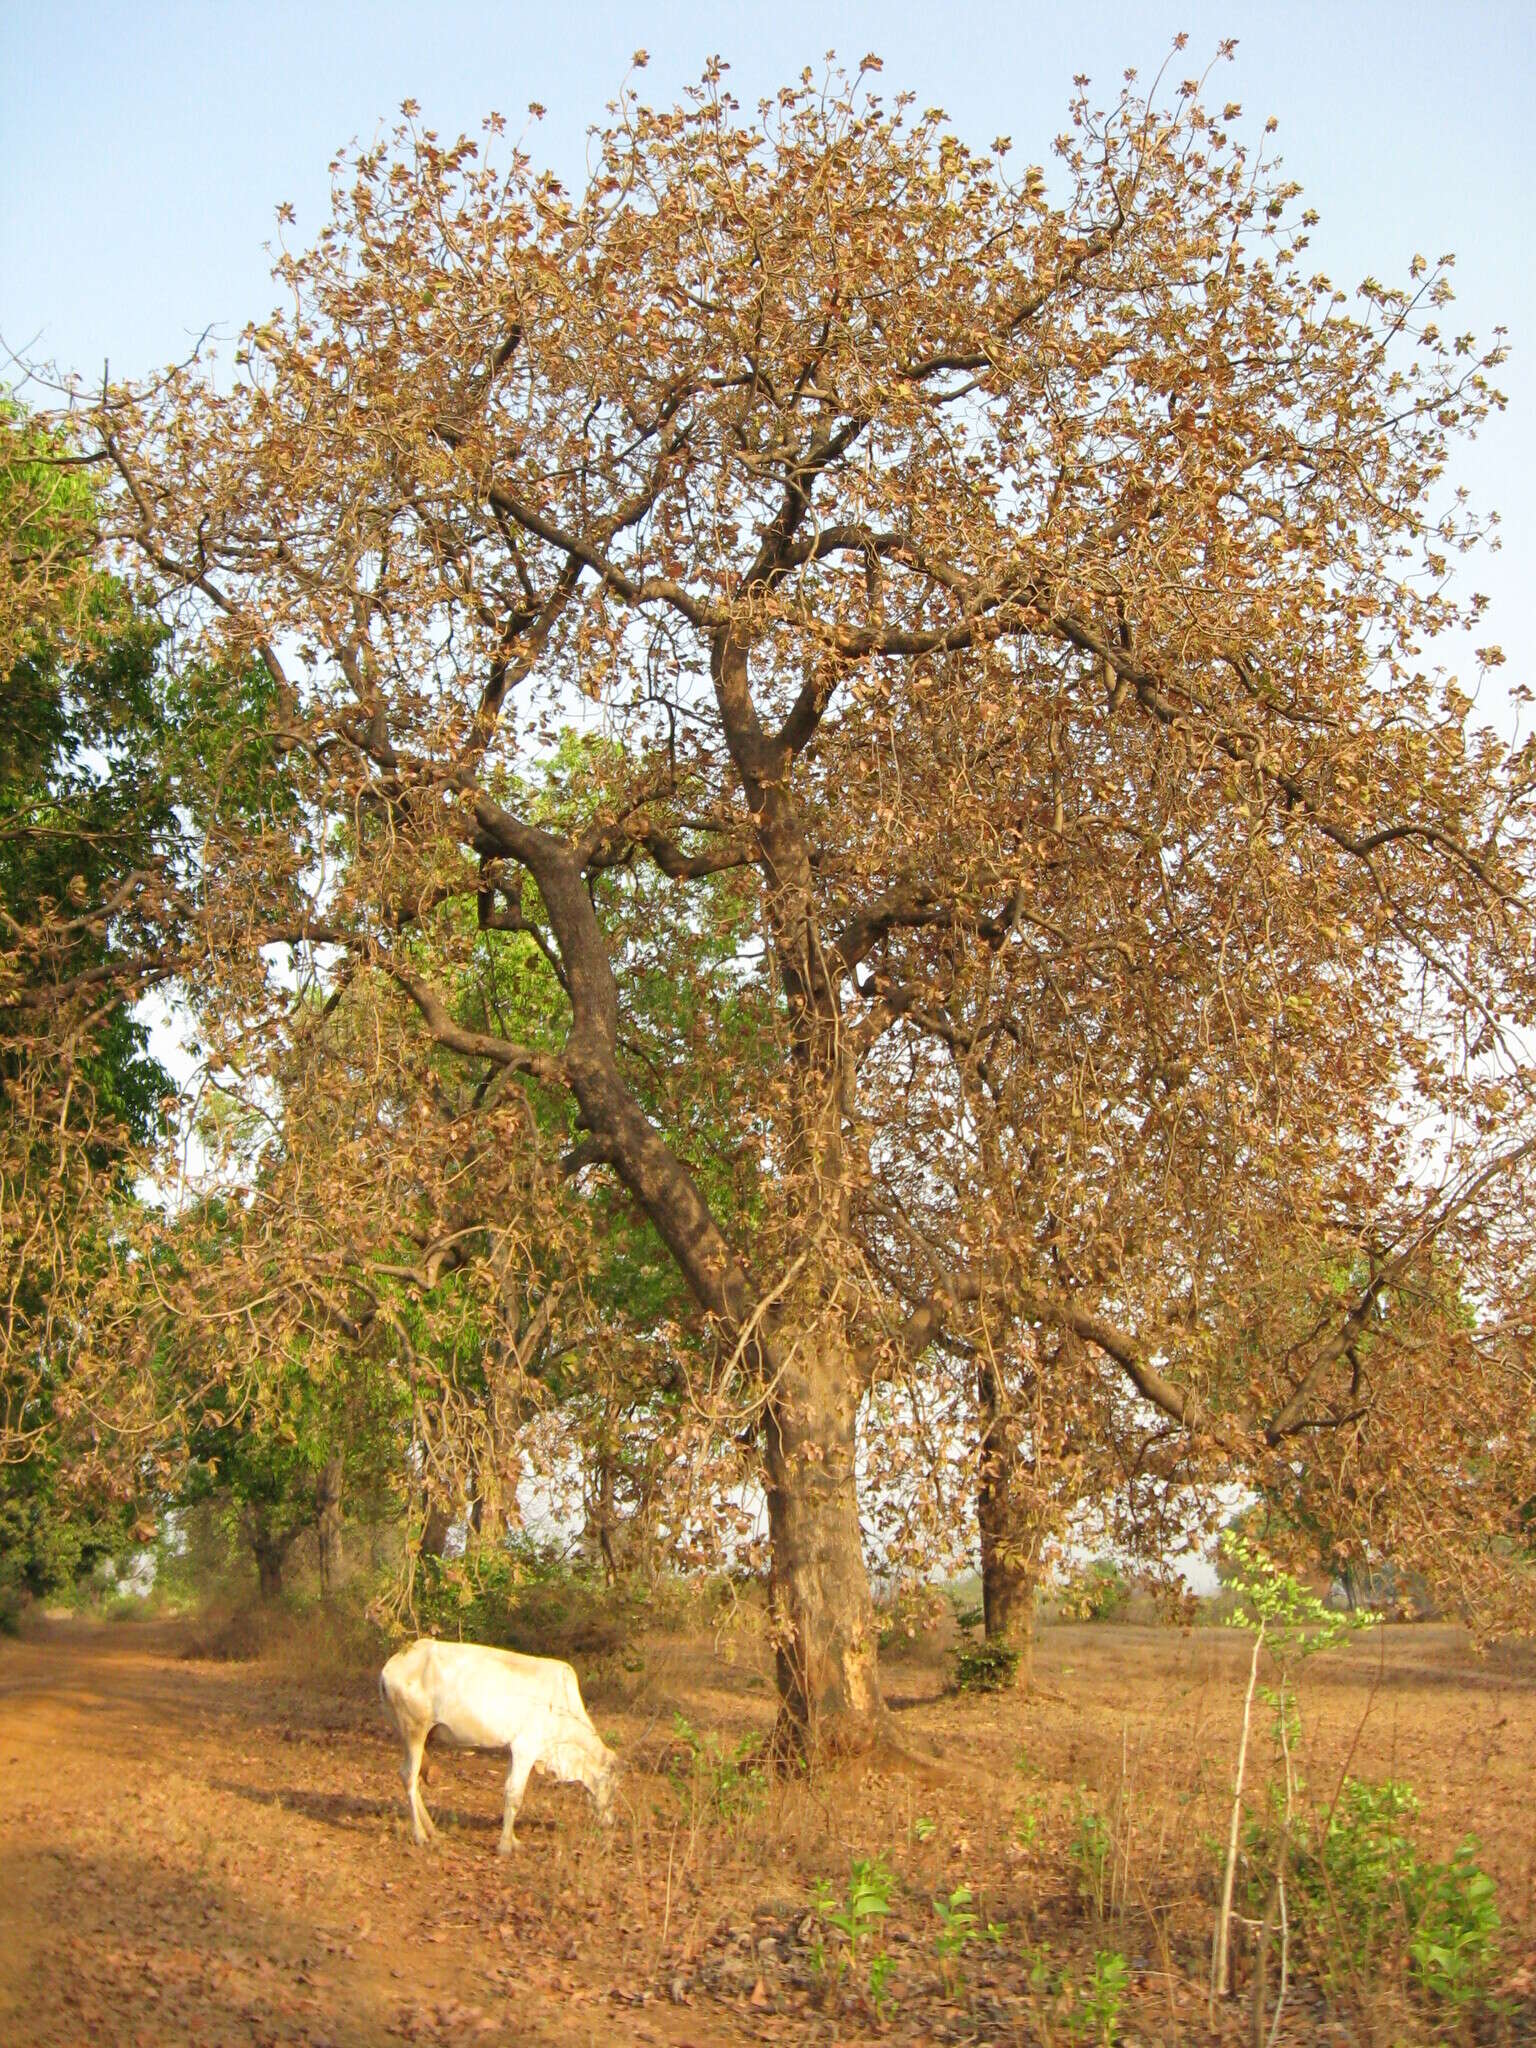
(114, 1948)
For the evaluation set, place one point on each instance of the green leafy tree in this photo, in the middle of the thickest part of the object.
(86, 812)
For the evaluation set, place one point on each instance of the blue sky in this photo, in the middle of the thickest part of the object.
(147, 144)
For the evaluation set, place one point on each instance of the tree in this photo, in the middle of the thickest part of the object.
(974, 577)
(85, 814)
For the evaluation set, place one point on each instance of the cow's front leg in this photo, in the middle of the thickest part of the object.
(517, 1784)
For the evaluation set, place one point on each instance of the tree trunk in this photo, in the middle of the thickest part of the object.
(270, 1549)
(601, 1517)
(328, 1522)
(1010, 1531)
(435, 1530)
(1009, 1576)
(494, 1476)
(822, 1613)
(822, 1609)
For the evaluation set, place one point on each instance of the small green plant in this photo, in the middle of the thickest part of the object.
(1088, 1852)
(880, 1968)
(1288, 1620)
(985, 1667)
(1042, 1979)
(1090, 2010)
(720, 1784)
(859, 1918)
(970, 1617)
(960, 1924)
(1095, 2012)
(1027, 1821)
(923, 1828)
(1454, 1945)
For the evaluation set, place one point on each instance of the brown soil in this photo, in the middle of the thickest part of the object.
(217, 1852)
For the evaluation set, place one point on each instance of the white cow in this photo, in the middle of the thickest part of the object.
(495, 1699)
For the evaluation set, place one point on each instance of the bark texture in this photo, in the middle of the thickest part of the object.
(1010, 1527)
(822, 1611)
(270, 1546)
(434, 1533)
(328, 1496)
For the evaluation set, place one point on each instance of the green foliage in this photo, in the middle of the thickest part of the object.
(881, 1967)
(1090, 2009)
(718, 1784)
(985, 1667)
(960, 1924)
(95, 844)
(523, 1596)
(1095, 2012)
(83, 806)
(1096, 1593)
(1455, 1941)
(1361, 1894)
(1360, 1864)
(86, 796)
(1295, 1623)
(1027, 1821)
(859, 1916)
(50, 1542)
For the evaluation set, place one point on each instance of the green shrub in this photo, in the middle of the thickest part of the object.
(1361, 1895)
(985, 1667)
(1097, 1593)
(527, 1599)
(1455, 1942)
(713, 1782)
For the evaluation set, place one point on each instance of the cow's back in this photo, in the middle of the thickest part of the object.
(485, 1698)
(549, 1679)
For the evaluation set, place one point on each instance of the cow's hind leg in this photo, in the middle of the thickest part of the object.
(415, 1740)
(517, 1785)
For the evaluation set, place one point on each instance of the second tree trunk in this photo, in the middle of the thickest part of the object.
(1010, 1530)
(822, 1611)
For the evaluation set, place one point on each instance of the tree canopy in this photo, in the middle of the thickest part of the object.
(1008, 607)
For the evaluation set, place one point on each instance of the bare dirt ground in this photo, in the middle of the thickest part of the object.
(217, 1852)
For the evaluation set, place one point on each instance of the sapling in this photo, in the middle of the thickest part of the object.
(1292, 1624)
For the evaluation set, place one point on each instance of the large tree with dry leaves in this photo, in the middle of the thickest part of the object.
(1022, 588)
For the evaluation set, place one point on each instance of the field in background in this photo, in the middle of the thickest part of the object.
(214, 1849)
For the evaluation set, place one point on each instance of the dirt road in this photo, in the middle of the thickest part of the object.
(204, 1853)
(217, 1853)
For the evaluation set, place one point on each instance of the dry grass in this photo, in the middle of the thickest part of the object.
(216, 1850)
